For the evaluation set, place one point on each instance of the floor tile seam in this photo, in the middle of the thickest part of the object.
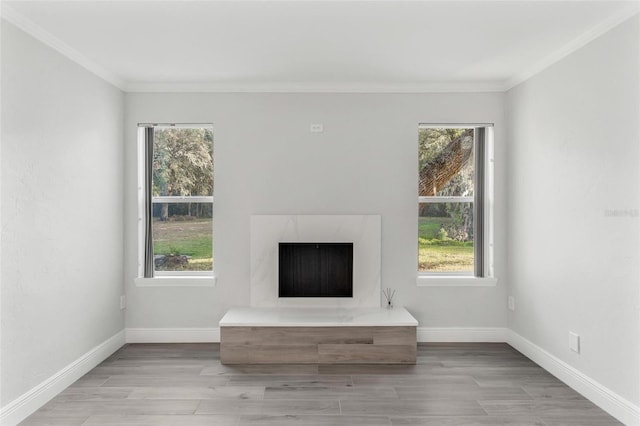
(86, 420)
(532, 396)
(395, 391)
(482, 408)
(195, 411)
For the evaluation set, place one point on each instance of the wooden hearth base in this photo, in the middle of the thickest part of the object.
(291, 336)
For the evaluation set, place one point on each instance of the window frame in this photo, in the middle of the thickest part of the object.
(483, 274)
(165, 278)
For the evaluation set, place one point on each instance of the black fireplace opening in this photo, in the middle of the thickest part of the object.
(315, 269)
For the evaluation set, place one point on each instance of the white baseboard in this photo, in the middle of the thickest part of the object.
(620, 408)
(462, 334)
(26, 404)
(212, 335)
(614, 404)
(172, 335)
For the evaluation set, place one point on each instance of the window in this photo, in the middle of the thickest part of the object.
(454, 208)
(176, 200)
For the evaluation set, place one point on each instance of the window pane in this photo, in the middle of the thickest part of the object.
(183, 236)
(446, 162)
(445, 237)
(182, 162)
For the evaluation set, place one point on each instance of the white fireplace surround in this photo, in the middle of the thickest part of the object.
(269, 230)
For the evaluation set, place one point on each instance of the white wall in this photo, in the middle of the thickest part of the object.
(62, 204)
(267, 162)
(573, 156)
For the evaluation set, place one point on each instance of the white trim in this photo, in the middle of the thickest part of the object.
(40, 34)
(453, 125)
(183, 274)
(489, 184)
(573, 45)
(174, 281)
(318, 87)
(614, 404)
(182, 199)
(55, 43)
(170, 278)
(142, 220)
(178, 125)
(172, 335)
(26, 404)
(456, 278)
(440, 199)
(212, 335)
(455, 281)
(462, 334)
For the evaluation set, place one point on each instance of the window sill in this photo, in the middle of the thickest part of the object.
(454, 281)
(207, 281)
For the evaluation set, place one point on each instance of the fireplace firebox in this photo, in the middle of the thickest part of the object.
(315, 269)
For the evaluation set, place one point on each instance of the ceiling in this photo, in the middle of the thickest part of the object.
(357, 46)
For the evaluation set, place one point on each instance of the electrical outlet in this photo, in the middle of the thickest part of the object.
(123, 302)
(316, 128)
(511, 303)
(574, 342)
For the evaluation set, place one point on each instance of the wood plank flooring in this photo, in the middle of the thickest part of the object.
(466, 384)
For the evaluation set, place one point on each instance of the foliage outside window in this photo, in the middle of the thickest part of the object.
(450, 220)
(181, 200)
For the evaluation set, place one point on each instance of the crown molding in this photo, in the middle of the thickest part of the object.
(315, 87)
(31, 28)
(575, 44)
(39, 33)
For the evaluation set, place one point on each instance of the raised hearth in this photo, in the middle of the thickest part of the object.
(318, 336)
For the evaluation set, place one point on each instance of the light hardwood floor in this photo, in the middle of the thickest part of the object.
(451, 384)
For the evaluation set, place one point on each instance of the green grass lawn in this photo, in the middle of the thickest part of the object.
(435, 255)
(194, 238)
(186, 237)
